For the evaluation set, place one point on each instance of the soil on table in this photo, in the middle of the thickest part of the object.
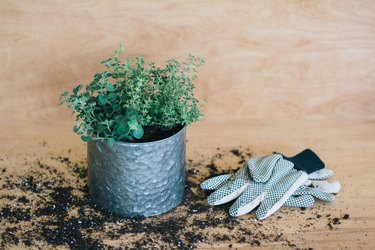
(48, 206)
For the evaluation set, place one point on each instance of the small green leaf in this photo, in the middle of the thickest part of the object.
(102, 100)
(84, 98)
(63, 98)
(96, 86)
(76, 127)
(91, 99)
(120, 119)
(101, 128)
(107, 63)
(122, 130)
(77, 89)
(110, 87)
(110, 141)
(112, 97)
(116, 107)
(97, 76)
(131, 114)
(120, 50)
(85, 138)
(138, 133)
(133, 124)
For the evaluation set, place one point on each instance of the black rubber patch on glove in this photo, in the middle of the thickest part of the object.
(306, 161)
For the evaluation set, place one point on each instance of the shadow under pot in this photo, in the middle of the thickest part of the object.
(137, 179)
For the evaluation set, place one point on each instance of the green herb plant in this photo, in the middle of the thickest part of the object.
(132, 102)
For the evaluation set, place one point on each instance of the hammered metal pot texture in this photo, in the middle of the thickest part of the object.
(137, 179)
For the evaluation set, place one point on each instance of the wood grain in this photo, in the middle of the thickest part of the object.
(287, 60)
(280, 76)
(346, 147)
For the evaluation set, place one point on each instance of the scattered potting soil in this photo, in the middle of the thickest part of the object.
(47, 206)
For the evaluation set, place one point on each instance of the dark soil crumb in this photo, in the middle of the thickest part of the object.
(222, 238)
(236, 152)
(23, 200)
(336, 221)
(292, 245)
(212, 167)
(333, 221)
(255, 242)
(48, 206)
(9, 197)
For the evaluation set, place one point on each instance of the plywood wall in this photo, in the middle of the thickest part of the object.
(281, 59)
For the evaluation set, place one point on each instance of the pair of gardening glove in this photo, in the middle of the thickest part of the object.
(271, 182)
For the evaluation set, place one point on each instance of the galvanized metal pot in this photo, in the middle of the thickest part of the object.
(137, 179)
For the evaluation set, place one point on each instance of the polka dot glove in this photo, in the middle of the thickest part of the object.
(266, 181)
(314, 188)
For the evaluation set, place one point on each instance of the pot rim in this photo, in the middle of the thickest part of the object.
(120, 143)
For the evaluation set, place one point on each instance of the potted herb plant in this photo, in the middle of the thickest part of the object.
(133, 117)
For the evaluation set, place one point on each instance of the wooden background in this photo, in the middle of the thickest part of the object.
(281, 59)
(280, 76)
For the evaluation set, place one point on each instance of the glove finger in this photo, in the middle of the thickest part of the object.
(249, 199)
(316, 193)
(280, 192)
(215, 182)
(327, 187)
(300, 201)
(261, 167)
(231, 190)
(321, 174)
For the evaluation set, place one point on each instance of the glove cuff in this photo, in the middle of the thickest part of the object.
(306, 161)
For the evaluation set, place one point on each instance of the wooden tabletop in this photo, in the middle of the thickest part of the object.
(347, 147)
